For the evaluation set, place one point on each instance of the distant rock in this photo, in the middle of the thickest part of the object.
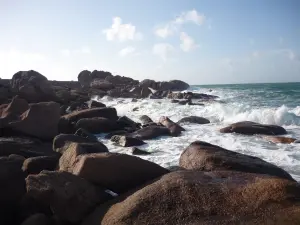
(102, 85)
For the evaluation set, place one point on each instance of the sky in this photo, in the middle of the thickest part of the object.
(198, 41)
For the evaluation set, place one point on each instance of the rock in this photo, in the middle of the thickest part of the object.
(83, 133)
(12, 189)
(102, 85)
(117, 132)
(175, 101)
(191, 95)
(250, 128)
(35, 165)
(70, 197)
(145, 119)
(84, 77)
(26, 147)
(40, 120)
(62, 139)
(134, 100)
(174, 128)
(97, 125)
(135, 109)
(150, 132)
(63, 96)
(89, 146)
(206, 198)
(124, 121)
(185, 102)
(193, 119)
(117, 172)
(100, 74)
(204, 156)
(121, 81)
(149, 84)
(175, 168)
(37, 219)
(17, 157)
(95, 104)
(283, 140)
(32, 86)
(137, 151)
(5, 93)
(127, 141)
(173, 85)
(69, 157)
(141, 92)
(67, 122)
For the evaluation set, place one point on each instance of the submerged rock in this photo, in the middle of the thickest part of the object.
(201, 155)
(137, 151)
(250, 128)
(193, 119)
(283, 140)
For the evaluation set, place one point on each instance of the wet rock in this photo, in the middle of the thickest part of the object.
(97, 125)
(35, 165)
(174, 128)
(72, 150)
(95, 104)
(102, 85)
(70, 197)
(117, 172)
(126, 141)
(145, 119)
(134, 100)
(83, 133)
(250, 128)
(37, 219)
(135, 109)
(124, 121)
(117, 132)
(282, 140)
(12, 188)
(185, 102)
(137, 151)
(67, 122)
(150, 132)
(208, 198)
(204, 156)
(174, 101)
(193, 119)
(84, 77)
(191, 95)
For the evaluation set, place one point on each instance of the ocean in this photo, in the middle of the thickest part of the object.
(272, 103)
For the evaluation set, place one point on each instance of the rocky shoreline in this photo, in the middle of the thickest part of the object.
(54, 170)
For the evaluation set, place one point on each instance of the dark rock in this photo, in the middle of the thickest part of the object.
(37, 164)
(193, 119)
(174, 101)
(100, 74)
(137, 151)
(206, 198)
(174, 128)
(282, 140)
(32, 86)
(141, 92)
(117, 132)
(73, 150)
(135, 109)
(134, 100)
(191, 95)
(102, 85)
(126, 141)
(12, 189)
(175, 168)
(84, 77)
(204, 156)
(250, 128)
(83, 133)
(37, 219)
(97, 125)
(95, 104)
(117, 172)
(145, 119)
(150, 132)
(185, 102)
(67, 122)
(70, 197)
(124, 121)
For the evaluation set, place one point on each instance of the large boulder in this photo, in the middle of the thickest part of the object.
(206, 198)
(26, 147)
(70, 197)
(250, 128)
(72, 150)
(67, 122)
(150, 132)
(204, 156)
(121, 80)
(32, 86)
(173, 85)
(12, 188)
(117, 172)
(126, 141)
(37, 164)
(84, 77)
(147, 83)
(37, 219)
(193, 119)
(102, 85)
(145, 119)
(100, 74)
(40, 120)
(175, 129)
(97, 125)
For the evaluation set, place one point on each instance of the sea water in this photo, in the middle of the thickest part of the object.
(277, 104)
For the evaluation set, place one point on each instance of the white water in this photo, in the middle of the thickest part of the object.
(166, 150)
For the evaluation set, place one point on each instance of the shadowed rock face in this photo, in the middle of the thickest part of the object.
(209, 198)
(204, 156)
(250, 128)
(150, 132)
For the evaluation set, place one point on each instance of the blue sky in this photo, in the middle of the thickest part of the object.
(201, 42)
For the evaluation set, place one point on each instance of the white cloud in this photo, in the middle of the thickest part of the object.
(187, 43)
(121, 32)
(190, 16)
(163, 50)
(171, 27)
(127, 51)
